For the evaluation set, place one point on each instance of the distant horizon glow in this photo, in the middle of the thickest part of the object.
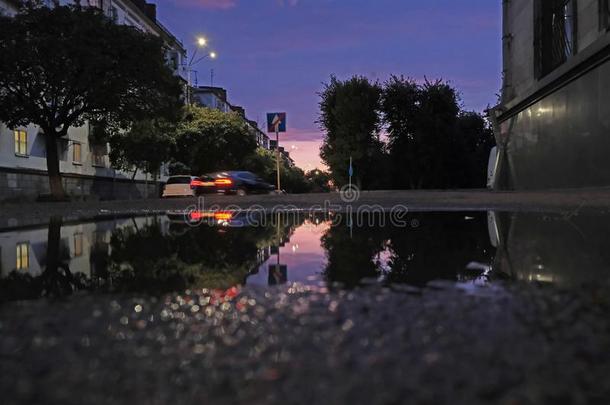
(276, 54)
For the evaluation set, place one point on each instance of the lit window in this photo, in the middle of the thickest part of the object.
(21, 143)
(23, 256)
(78, 245)
(76, 152)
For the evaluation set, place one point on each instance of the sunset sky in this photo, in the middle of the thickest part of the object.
(274, 55)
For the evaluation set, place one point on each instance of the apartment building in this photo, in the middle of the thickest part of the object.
(85, 166)
(553, 121)
(216, 98)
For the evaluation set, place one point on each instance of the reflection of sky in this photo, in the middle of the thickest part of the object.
(303, 255)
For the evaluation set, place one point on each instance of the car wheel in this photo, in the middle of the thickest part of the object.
(241, 192)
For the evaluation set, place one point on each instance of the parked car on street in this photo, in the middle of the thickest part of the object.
(231, 182)
(178, 186)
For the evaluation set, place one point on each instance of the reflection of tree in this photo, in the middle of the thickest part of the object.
(351, 255)
(440, 248)
(205, 256)
(56, 279)
(147, 259)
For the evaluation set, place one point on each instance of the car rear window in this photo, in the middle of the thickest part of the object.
(179, 180)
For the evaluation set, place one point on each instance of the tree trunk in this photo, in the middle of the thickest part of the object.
(55, 184)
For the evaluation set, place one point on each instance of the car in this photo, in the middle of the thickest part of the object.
(178, 186)
(231, 182)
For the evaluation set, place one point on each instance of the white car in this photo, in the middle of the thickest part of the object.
(178, 186)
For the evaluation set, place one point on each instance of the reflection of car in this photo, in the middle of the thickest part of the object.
(178, 186)
(231, 219)
(232, 182)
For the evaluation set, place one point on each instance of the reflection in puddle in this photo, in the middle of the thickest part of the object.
(163, 253)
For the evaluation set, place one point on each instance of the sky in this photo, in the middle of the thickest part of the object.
(275, 55)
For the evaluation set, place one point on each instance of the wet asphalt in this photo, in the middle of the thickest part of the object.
(444, 344)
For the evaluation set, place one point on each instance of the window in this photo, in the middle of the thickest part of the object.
(555, 38)
(76, 153)
(78, 244)
(604, 14)
(21, 143)
(179, 180)
(23, 256)
(97, 155)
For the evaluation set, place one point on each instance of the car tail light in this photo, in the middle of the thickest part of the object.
(196, 183)
(223, 182)
(199, 215)
(201, 183)
(223, 216)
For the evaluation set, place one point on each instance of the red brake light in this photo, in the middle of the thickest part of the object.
(223, 216)
(196, 183)
(223, 182)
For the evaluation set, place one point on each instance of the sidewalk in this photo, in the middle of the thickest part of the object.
(26, 214)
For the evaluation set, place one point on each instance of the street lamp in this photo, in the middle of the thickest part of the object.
(202, 42)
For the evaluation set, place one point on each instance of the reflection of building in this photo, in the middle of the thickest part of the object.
(84, 247)
(216, 98)
(554, 116)
(283, 153)
(550, 248)
(85, 166)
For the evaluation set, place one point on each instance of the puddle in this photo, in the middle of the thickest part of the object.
(159, 254)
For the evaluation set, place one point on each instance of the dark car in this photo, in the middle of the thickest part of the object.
(232, 182)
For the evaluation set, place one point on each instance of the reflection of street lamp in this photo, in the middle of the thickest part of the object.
(201, 43)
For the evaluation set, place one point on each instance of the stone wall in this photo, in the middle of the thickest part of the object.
(18, 186)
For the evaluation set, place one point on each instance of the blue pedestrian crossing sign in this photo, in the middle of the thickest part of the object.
(276, 122)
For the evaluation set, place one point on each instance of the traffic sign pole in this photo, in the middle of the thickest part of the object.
(276, 122)
(277, 156)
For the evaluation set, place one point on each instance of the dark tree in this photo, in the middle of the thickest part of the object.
(65, 65)
(319, 180)
(432, 143)
(349, 115)
(400, 106)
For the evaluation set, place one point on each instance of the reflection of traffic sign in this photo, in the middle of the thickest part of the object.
(278, 274)
(276, 122)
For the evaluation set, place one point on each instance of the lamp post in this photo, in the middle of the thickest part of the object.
(201, 43)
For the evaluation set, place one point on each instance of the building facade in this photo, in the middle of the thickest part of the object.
(216, 99)
(85, 166)
(553, 121)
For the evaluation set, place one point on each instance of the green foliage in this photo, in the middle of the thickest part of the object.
(62, 66)
(293, 180)
(319, 181)
(349, 114)
(262, 162)
(208, 140)
(146, 146)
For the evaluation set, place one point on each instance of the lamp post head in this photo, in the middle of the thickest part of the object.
(201, 41)
(213, 55)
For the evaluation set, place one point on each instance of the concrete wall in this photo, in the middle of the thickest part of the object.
(563, 140)
(29, 186)
(554, 131)
(518, 37)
